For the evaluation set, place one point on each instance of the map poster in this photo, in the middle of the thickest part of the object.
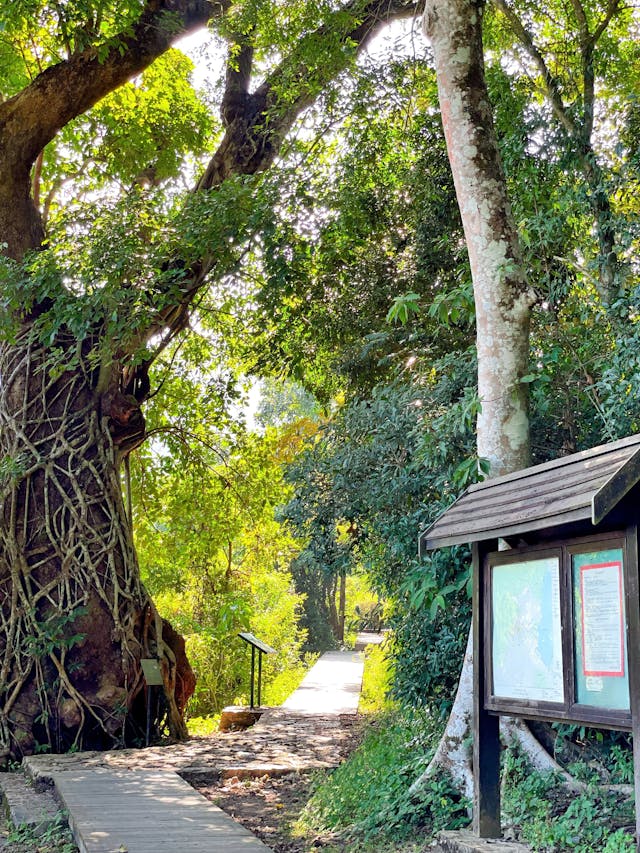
(526, 650)
(602, 619)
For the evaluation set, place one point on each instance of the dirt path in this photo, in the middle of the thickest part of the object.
(268, 807)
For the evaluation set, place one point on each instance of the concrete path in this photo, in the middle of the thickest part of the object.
(119, 801)
(332, 686)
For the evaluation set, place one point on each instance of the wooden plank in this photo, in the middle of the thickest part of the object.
(564, 486)
(486, 727)
(567, 486)
(614, 447)
(616, 487)
(534, 504)
(464, 535)
(582, 487)
(501, 513)
(578, 472)
(146, 811)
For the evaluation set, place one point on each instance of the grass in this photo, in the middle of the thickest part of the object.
(376, 681)
(22, 839)
(273, 694)
(366, 801)
(203, 726)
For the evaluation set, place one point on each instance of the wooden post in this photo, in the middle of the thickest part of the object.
(253, 672)
(632, 587)
(486, 727)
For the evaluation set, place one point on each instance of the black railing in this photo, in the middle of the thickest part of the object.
(263, 649)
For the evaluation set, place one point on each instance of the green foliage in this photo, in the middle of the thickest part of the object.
(57, 838)
(203, 726)
(346, 237)
(367, 798)
(376, 681)
(364, 488)
(38, 33)
(550, 818)
(52, 634)
(143, 133)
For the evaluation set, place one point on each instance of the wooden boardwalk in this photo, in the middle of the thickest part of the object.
(146, 811)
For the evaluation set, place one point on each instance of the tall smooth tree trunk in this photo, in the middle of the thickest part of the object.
(502, 295)
(503, 299)
(74, 617)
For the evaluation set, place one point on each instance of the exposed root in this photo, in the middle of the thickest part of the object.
(71, 602)
(454, 752)
(515, 731)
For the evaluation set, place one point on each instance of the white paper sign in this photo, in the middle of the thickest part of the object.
(602, 619)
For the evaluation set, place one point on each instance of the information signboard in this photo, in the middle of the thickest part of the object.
(556, 632)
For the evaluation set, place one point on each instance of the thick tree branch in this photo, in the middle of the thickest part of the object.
(550, 84)
(588, 42)
(581, 18)
(612, 8)
(255, 132)
(31, 119)
(237, 83)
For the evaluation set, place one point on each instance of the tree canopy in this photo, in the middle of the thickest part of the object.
(280, 222)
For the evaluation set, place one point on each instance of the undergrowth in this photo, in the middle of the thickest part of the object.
(376, 681)
(367, 798)
(366, 801)
(539, 810)
(57, 838)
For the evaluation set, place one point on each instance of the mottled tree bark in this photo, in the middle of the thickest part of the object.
(502, 296)
(503, 299)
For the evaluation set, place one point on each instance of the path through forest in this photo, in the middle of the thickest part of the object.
(314, 729)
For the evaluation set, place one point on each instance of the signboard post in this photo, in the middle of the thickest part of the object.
(262, 648)
(153, 678)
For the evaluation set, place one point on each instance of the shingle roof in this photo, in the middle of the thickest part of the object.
(585, 485)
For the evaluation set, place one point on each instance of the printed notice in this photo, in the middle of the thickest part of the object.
(602, 619)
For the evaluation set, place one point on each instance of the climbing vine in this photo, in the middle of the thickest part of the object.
(74, 617)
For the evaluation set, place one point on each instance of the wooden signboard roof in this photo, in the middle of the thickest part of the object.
(585, 485)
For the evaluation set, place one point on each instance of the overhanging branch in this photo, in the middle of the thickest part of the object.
(33, 117)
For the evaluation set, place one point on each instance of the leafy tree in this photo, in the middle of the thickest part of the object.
(363, 489)
(90, 304)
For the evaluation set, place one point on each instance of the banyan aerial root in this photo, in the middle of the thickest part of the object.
(75, 619)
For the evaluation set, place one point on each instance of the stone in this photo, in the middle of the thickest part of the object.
(26, 806)
(463, 841)
(237, 718)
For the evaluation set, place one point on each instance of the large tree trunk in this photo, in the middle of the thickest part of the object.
(74, 617)
(502, 296)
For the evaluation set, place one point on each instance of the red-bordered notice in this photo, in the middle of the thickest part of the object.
(602, 619)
